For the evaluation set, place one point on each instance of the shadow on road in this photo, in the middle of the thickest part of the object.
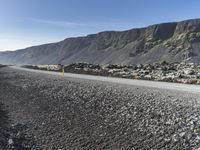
(4, 131)
(10, 137)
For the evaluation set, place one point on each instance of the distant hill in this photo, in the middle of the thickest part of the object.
(172, 42)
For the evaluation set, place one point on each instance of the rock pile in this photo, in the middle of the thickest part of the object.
(175, 72)
(2, 65)
(188, 73)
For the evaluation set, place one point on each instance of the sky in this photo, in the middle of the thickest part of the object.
(25, 23)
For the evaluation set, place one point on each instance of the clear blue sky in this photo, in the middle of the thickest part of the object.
(31, 22)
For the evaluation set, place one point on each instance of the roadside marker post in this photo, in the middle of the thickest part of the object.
(62, 72)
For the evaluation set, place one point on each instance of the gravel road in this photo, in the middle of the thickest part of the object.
(146, 83)
(42, 111)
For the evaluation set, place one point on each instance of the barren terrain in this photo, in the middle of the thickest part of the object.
(41, 111)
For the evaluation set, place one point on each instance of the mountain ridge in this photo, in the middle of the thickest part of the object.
(172, 42)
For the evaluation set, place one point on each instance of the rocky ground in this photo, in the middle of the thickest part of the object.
(39, 111)
(171, 72)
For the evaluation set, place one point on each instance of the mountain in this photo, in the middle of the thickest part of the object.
(172, 42)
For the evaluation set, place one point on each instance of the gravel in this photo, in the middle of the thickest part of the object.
(39, 111)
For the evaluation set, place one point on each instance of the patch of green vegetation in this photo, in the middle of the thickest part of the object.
(182, 41)
(181, 36)
(188, 36)
(177, 38)
(150, 43)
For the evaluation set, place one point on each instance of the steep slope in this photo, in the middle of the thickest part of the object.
(168, 41)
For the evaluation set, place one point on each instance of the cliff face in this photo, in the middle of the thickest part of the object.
(172, 42)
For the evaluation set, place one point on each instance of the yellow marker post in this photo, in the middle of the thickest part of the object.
(62, 72)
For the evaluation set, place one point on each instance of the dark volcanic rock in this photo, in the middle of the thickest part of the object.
(163, 71)
(161, 31)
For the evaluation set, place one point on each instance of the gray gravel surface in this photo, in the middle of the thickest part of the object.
(40, 111)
